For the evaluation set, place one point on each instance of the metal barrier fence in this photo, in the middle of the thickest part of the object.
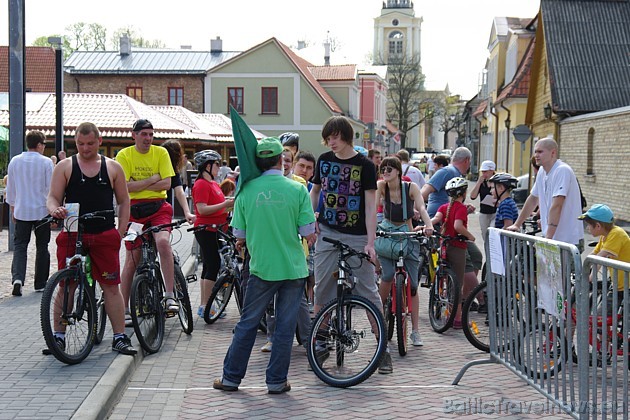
(546, 323)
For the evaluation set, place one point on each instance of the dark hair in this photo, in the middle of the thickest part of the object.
(441, 160)
(33, 138)
(267, 163)
(373, 152)
(394, 162)
(175, 152)
(308, 156)
(86, 128)
(337, 125)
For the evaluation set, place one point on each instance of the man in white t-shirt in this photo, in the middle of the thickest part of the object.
(409, 170)
(431, 165)
(557, 193)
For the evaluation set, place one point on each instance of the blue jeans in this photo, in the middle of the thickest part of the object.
(42, 257)
(259, 293)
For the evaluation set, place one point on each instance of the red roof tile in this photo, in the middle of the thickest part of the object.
(40, 69)
(519, 86)
(331, 73)
(481, 108)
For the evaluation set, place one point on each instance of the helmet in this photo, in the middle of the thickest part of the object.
(456, 186)
(505, 179)
(205, 156)
(289, 139)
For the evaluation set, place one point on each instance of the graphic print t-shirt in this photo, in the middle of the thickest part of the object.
(343, 183)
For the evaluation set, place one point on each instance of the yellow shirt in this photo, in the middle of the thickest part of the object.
(141, 166)
(616, 243)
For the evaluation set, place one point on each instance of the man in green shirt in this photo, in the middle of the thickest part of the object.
(269, 212)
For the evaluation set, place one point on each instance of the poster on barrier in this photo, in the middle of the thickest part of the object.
(496, 252)
(549, 273)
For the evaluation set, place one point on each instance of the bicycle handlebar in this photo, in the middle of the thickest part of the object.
(205, 226)
(99, 214)
(158, 228)
(346, 248)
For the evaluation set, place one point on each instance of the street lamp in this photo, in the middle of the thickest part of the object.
(57, 42)
(484, 129)
(547, 111)
(507, 123)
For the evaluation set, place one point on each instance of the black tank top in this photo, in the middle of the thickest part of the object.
(92, 194)
(393, 211)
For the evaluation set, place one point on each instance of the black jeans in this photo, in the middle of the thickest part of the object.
(42, 256)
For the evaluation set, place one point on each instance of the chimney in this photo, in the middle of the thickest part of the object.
(125, 45)
(216, 45)
(301, 45)
(327, 53)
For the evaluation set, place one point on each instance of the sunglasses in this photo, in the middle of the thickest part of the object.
(387, 169)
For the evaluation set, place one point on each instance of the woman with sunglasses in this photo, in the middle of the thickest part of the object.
(389, 194)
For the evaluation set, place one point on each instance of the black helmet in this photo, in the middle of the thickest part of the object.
(290, 139)
(205, 156)
(456, 187)
(505, 179)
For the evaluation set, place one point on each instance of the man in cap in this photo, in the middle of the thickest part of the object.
(269, 212)
(148, 171)
(487, 207)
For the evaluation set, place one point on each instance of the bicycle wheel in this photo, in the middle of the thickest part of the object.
(147, 312)
(389, 317)
(402, 317)
(475, 324)
(219, 299)
(443, 301)
(543, 351)
(181, 294)
(101, 315)
(63, 309)
(355, 333)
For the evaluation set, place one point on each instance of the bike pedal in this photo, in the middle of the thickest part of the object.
(191, 278)
(170, 314)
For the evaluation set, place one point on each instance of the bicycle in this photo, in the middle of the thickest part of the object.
(70, 304)
(398, 303)
(147, 291)
(343, 329)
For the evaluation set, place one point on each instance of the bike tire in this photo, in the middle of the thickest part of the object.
(80, 325)
(444, 297)
(147, 312)
(101, 314)
(544, 341)
(389, 317)
(181, 294)
(219, 298)
(402, 317)
(475, 324)
(344, 330)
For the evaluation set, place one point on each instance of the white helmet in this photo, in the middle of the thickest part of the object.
(456, 187)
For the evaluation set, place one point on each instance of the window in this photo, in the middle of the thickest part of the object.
(176, 96)
(589, 152)
(269, 100)
(235, 98)
(135, 92)
(396, 43)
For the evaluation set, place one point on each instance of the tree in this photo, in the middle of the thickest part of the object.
(135, 37)
(451, 112)
(42, 41)
(87, 36)
(405, 99)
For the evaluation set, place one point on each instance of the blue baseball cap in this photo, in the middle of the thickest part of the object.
(599, 212)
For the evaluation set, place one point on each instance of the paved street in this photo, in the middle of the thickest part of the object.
(177, 382)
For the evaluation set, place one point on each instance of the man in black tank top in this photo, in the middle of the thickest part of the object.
(92, 181)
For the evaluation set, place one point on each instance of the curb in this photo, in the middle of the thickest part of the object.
(108, 390)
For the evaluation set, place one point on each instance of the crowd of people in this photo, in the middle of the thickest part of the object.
(280, 218)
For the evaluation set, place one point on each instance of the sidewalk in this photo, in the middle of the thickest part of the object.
(36, 386)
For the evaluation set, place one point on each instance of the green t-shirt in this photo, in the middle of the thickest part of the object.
(270, 209)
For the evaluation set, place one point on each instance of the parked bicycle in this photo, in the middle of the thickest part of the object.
(398, 304)
(147, 291)
(350, 328)
(72, 304)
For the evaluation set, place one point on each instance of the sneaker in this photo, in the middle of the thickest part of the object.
(483, 308)
(321, 354)
(17, 288)
(474, 306)
(61, 343)
(457, 324)
(218, 384)
(171, 305)
(285, 388)
(386, 365)
(123, 345)
(200, 311)
(415, 338)
(128, 321)
(39, 290)
(266, 348)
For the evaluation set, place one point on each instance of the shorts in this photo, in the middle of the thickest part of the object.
(310, 261)
(103, 248)
(160, 217)
(412, 265)
(326, 256)
(474, 258)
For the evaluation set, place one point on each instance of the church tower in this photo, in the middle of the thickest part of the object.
(397, 32)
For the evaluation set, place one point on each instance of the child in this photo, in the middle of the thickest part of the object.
(454, 216)
(500, 185)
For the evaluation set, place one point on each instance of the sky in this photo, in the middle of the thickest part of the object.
(455, 33)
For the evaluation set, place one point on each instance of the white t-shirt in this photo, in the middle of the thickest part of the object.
(560, 181)
(414, 174)
(431, 164)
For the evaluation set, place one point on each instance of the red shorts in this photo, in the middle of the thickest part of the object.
(104, 251)
(162, 216)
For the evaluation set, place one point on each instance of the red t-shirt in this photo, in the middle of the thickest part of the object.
(458, 211)
(208, 192)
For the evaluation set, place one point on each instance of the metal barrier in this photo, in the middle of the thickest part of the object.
(530, 283)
